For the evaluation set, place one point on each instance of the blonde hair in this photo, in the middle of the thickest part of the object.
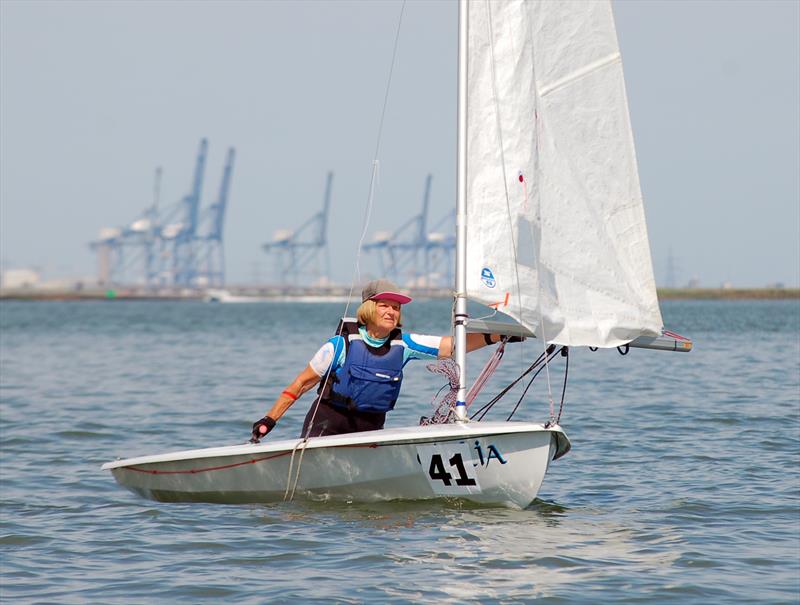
(367, 313)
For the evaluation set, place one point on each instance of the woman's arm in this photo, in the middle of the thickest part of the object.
(305, 381)
(474, 341)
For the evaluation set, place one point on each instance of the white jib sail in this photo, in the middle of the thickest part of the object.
(555, 222)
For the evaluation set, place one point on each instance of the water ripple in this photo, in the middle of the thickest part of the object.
(683, 485)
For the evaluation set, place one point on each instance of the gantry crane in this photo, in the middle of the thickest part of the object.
(183, 239)
(168, 243)
(120, 249)
(414, 256)
(297, 253)
(210, 252)
(402, 254)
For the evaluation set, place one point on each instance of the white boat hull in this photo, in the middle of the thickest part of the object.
(490, 463)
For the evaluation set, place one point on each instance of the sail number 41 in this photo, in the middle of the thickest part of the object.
(436, 471)
(449, 468)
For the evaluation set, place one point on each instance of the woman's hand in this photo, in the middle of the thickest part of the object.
(261, 428)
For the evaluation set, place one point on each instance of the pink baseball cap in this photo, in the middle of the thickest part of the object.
(383, 289)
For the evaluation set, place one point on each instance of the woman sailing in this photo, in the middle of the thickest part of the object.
(361, 368)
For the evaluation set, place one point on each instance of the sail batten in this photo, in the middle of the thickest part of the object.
(600, 63)
(557, 233)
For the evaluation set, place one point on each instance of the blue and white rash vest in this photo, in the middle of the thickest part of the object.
(416, 346)
(368, 372)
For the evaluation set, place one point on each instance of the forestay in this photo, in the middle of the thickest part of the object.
(555, 220)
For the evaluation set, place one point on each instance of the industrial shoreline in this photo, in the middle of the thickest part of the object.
(335, 294)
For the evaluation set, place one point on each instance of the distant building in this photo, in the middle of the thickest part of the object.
(20, 278)
(65, 284)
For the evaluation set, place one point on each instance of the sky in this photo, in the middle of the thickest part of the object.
(95, 95)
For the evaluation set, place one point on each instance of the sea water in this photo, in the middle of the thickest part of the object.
(683, 484)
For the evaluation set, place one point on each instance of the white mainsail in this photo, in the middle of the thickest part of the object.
(555, 220)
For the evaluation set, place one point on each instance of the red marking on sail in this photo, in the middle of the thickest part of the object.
(524, 190)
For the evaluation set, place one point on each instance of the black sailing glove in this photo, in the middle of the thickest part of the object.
(261, 428)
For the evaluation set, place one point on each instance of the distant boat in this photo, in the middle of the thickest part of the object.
(223, 296)
(549, 196)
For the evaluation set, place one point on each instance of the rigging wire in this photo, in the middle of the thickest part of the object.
(487, 406)
(545, 366)
(565, 355)
(357, 271)
(557, 420)
(528, 386)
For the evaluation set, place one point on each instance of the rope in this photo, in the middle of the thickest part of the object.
(300, 443)
(367, 214)
(209, 469)
(486, 373)
(445, 409)
(356, 279)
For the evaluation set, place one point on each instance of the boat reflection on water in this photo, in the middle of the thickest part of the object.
(518, 554)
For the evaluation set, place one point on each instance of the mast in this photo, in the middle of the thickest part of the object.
(460, 312)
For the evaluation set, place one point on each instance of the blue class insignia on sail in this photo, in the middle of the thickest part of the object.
(487, 277)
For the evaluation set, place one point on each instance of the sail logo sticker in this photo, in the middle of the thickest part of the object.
(487, 277)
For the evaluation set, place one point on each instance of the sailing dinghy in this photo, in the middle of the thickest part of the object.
(551, 232)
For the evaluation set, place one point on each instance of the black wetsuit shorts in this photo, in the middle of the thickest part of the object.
(332, 420)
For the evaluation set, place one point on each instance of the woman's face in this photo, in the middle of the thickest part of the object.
(387, 315)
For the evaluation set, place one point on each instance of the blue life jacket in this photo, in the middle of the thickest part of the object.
(370, 378)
